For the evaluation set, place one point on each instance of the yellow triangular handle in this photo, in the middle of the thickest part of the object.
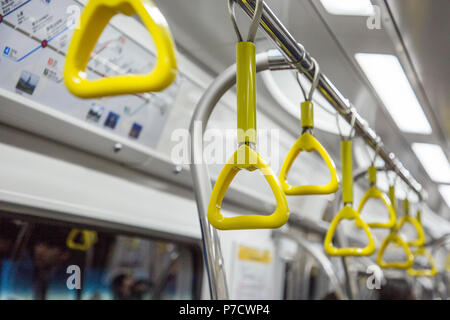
(93, 20)
(375, 193)
(347, 212)
(420, 233)
(307, 142)
(423, 272)
(396, 239)
(89, 239)
(246, 158)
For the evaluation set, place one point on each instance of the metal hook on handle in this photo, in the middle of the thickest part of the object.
(255, 21)
(408, 193)
(315, 81)
(339, 126)
(392, 182)
(233, 19)
(316, 78)
(378, 145)
(352, 124)
(254, 24)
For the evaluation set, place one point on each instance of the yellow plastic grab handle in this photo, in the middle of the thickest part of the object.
(246, 92)
(307, 142)
(89, 238)
(417, 225)
(93, 20)
(348, 213)
(423, 272)
(396, 239)
(246, 158)
(375, 193)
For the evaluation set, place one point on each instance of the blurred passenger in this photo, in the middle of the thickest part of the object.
(9, 232)
(396, 289)
(40, 271)
(122, 286)
(48, 255)
(330, 296)
(141, 288)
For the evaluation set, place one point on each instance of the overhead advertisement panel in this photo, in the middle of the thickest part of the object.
(34, 37)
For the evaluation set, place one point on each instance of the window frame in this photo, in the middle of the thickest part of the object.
(53, 218)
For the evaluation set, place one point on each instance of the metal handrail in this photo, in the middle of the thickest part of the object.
(296, 54)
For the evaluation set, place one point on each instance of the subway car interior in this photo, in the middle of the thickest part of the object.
(224, 150)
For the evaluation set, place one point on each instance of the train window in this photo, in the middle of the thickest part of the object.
(43, 261)
(397, 289)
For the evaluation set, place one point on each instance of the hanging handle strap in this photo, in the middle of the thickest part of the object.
(245, 157)
(396, 239)
(431, 272)
(93, 20)
(374, 193)
(347, 211)
(307, 142)
(407, 218)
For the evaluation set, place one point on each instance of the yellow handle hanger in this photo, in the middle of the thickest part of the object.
(407, 218)
(421, 251)
(307, 142)
(88, 239)
(347, 212)
(374, 193)
(245, 157)
(93, 20)
(396, 239)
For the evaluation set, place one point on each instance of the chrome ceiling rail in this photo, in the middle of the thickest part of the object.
(301, 60)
